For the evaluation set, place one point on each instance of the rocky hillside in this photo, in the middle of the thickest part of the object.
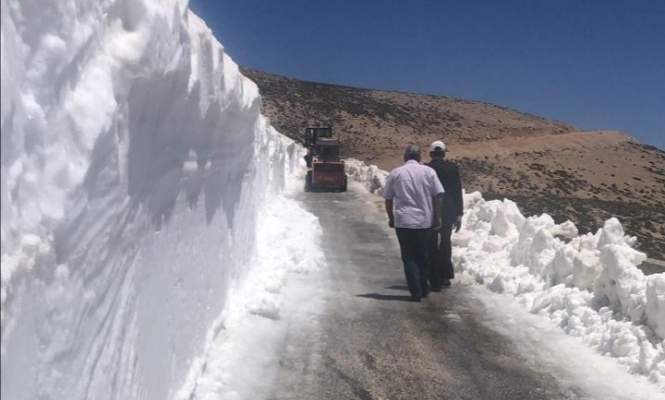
(544, 165)
(372, 122)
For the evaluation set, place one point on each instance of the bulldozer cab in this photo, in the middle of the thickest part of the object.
(312, 135)
(327, 150)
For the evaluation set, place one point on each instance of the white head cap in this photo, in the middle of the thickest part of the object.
(438, 145)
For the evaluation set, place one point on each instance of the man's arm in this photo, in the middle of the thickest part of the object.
(458, 191)
(458, 199)
(389, 211)
(388, 195)
(437, 201)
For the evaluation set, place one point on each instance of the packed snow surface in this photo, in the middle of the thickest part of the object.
(588, 285)
(239, 358)
(135, 165)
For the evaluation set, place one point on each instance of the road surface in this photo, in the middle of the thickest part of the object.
(369, 342)
(651, 266)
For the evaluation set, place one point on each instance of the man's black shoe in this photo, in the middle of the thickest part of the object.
(446, 283)
(435, 289)
(415, 299)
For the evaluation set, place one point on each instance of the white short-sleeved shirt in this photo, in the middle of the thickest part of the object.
(411, 187)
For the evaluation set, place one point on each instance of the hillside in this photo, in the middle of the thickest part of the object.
(544, 165)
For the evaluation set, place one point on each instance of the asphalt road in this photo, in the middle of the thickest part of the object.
(370, 342)
(651, 266)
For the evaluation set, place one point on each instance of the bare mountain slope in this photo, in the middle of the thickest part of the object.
(372, 122)
(544, 165)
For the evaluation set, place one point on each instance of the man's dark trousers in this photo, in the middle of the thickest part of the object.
(413, 244)
(440, 257)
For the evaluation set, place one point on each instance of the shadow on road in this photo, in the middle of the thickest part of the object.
(389, 297)
(398, 287)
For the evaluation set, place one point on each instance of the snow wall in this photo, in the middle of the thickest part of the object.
(134, 163)
(589, 285)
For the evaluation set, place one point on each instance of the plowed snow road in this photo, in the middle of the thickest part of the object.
(369, 342)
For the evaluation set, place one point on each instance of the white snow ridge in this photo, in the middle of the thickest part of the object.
(588, 285)
(135, 163)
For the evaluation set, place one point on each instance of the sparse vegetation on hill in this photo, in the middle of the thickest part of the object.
(544, 165)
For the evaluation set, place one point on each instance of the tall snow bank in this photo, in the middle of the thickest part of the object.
(134, 165)
(589, 285)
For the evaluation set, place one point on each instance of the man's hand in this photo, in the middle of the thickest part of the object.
(437, 224)
(458, 224)
(389, 211)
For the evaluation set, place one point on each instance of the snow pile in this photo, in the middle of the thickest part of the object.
(282, 248)
(373, 178)
(135, 162)
(257, 315)
(589, 285)
(655, 304)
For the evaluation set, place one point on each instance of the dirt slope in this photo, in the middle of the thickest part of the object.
(544, 165)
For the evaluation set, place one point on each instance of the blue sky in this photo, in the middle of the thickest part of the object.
(598, 64)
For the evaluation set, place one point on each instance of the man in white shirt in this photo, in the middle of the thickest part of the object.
(412, 193)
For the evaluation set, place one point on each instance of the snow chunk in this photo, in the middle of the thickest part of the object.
(655, 303)
(373, 178)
